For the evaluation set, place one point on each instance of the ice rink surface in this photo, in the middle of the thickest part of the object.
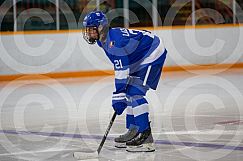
(193, 117)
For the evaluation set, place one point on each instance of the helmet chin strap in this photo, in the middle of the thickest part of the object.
(103, 34)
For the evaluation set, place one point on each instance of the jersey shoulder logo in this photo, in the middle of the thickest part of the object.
(111, 44)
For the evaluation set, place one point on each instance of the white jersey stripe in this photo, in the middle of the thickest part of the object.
(147, 75)
(121, 74)
(155, 54)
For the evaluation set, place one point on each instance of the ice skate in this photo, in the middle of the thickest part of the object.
(120, 141)
(143, 142)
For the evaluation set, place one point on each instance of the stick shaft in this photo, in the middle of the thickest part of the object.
(106, 133)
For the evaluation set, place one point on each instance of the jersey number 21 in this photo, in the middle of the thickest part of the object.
(118, 64)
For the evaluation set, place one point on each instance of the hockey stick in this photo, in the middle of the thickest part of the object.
(106, 133)
(84, 156)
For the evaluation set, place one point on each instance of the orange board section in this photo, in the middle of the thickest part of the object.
(80, 74)
(77, 74)
(38, 32)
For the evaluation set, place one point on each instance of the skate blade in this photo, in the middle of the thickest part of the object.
(141, 148)
(120, 145)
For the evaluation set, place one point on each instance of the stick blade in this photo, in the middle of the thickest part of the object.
(86, 155)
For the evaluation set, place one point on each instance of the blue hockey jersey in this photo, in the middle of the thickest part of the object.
(129, 51)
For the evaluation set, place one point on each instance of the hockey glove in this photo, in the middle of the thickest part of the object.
(119, 102)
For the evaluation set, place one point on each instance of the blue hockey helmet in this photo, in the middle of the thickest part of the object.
(94, 21)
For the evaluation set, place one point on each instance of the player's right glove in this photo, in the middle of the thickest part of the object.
(119, 102)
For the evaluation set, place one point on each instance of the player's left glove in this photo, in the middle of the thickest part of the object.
(119, 102)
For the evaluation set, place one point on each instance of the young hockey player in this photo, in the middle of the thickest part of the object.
(138, 57)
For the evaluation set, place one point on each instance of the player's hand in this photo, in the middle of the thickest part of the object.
(119, 102)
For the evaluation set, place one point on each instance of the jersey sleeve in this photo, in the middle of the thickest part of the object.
(120, 61)
(121, 68)
(117, 54)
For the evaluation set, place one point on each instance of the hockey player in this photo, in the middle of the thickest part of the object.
(138, 57)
